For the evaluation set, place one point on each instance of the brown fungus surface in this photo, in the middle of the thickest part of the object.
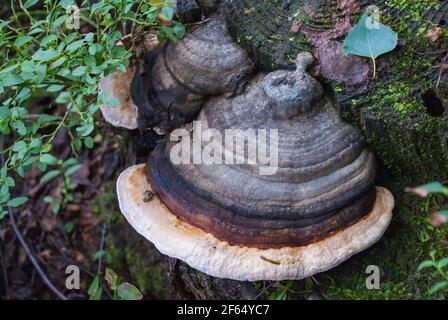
(173, 81)
(323, 181)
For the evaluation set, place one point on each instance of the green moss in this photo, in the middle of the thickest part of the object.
(148, 276)
(415, 13)
(130, 256)
(407, 242)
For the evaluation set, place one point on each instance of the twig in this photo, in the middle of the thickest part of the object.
(265, 288)
(103, 236)
(33, 260)
(81, 266)
(441, 70)
(5, 275)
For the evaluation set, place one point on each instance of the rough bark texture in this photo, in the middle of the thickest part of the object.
(408, 141)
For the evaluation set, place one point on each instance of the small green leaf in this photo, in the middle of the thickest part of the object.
(425, 264)
(45, 55)
(48, 159)
(29, 3)
(55, 88)
(168, 12)
(94, 290)
(98, 255)
(69, 227)
(443, 213)
(89, 142)
(370, 39)
(17, 202)
(127, 291)
(79, 71)
(12, 79)
(20, 126)
(111, 279)
(442, 263)
(85, 130)
(20, 41)
(75, 45)
(438, 286)
(3, 214)
(49, 176)
(72, 170)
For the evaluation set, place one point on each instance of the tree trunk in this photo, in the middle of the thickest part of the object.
(401, 113)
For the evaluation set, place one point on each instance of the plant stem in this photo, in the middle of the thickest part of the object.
(374, 67)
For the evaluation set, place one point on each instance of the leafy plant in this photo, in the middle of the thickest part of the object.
(440, 267)
(121, 290)
(42, 57)
(371, 39)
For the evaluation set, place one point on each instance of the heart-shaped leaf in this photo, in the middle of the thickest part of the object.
(370, 39)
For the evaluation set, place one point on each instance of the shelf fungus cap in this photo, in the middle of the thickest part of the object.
(117, 85)
(241, 220)
(217, 258)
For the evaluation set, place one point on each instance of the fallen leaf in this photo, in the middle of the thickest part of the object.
(370, 39)
(437, 219)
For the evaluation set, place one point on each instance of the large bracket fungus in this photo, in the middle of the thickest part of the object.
(316, 209)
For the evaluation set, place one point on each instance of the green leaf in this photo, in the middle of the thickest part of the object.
(127, 291)
(48, 159)
(443, 213)
(79, 71)
(168, 12)
(16, 202)
(75, 45)
(55, 88)
(29, 3)
(111, 279)
(72, 170)
(438, 286)
(19, 146)
(3, 214)
(442, 263)
(85, 130)
(45, 55)
(434, 187)
(48, 39)
(66, 3)
(425, 264)
(370, 39)
(49, 176)
(98, 255)
(179, 30)
(12, 79)
(20, 126)
(94, 290)
(20, 41)
(89, 142)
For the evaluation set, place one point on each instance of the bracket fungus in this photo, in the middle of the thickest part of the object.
(173, 81)
(116, 85)
(315, 209)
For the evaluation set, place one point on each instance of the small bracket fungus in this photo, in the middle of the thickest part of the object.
(117, 85)
(311, 209)
(175, 79)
